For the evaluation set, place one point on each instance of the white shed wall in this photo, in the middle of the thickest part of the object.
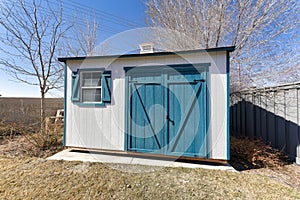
(103, 127)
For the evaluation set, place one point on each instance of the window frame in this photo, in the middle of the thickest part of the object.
(90, 87)
(106, 87)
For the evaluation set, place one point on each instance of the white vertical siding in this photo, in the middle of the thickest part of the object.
(218, 116)
(96, 127)
(219, 107)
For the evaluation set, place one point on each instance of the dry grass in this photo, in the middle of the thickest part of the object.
(20, 140)
(9, 130)
(288, 174)
(24, 177)
(33, 178)
(254, 154)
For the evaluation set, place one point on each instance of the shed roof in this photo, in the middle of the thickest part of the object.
(228, 49)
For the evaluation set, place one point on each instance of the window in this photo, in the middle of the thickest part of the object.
(91, 86)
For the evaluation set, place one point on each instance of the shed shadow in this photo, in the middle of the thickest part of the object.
(249, 121)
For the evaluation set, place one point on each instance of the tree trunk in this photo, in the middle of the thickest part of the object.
(43, 115)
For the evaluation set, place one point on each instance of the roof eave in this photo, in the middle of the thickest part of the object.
(227, 49)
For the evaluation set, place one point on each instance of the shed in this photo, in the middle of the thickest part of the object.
(173, 104)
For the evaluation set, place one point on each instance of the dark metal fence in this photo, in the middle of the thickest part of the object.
(271, 114)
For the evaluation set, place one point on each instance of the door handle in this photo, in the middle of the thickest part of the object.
(199, 80)
(168, 118)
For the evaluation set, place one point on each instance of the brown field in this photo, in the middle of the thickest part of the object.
(26, 174)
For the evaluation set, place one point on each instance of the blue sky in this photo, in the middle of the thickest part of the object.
(114, 16)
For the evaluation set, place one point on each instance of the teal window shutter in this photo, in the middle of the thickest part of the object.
(75, 87)
(106, 86)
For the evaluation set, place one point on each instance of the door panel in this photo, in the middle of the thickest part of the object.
(146, 115)
(187, 134)
(168, 113)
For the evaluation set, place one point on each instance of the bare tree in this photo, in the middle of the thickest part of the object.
(85, 37)
(30, 45)
(261, 30)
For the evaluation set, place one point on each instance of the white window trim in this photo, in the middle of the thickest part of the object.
(90, 87)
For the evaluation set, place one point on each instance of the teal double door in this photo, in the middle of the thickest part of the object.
(167, 110)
